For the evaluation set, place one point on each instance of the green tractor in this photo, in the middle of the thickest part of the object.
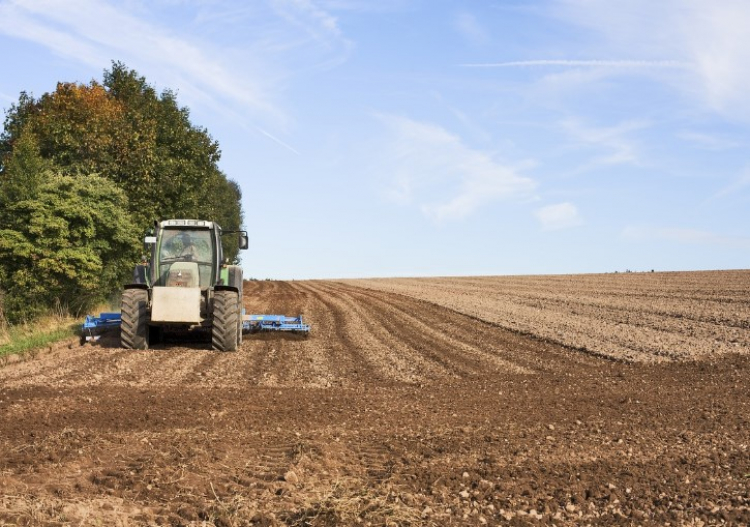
(185, 284)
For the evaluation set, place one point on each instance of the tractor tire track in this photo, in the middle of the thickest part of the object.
(438, 326)
(511, 349)
(426, 336)
(366, 353)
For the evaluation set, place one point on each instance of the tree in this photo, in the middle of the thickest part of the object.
(23, 170)
(169, 167)
(69, 244)
(228, 214)
(124, 131)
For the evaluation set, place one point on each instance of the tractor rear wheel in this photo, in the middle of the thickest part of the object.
(134, 326)
(225, 320)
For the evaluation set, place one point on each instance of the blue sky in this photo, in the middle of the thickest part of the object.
(424, 138)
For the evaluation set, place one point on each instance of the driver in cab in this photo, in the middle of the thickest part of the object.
(186, 248)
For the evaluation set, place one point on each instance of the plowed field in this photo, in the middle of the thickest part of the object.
(642, 317)
(401, 408)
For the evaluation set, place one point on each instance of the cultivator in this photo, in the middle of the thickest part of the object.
(93, 327)
(255, 323)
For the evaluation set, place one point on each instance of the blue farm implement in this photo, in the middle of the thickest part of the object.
(93, 327)
(255, 323)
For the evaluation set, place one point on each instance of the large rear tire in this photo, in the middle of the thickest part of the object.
(225, 320)
(134, 326)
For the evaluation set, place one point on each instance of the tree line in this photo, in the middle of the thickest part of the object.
(84, 172)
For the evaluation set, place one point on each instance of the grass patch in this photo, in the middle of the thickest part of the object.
(26, 337)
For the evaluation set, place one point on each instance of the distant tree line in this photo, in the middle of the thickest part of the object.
(84, 172)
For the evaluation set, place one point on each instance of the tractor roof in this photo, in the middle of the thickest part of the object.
(187, 224)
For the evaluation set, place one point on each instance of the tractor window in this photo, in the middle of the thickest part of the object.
(189, 252)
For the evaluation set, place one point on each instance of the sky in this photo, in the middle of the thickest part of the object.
(379, 138)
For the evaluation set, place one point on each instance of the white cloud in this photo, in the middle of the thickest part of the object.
(558, 217)
(711, 37)
(683, 236)
(447, 179)
(716, 38)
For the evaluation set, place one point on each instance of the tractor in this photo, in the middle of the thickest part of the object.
(185, 284)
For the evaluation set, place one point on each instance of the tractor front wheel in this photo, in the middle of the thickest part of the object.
(134, 326)
(226, 318)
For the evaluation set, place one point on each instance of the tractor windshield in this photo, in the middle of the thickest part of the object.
(185, 258)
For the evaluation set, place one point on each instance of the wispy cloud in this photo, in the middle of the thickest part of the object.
(738, 185)
(629, 64)
(93, 32)
(318, 24)
(367, 6)
(711, 37)
(6, 97)
(244, 82)
(708, 141)
(471, 29)
(558, 217)
(443, 176)
(615, 141)
(684, 236)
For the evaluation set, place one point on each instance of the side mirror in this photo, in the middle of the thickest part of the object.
(243, 241)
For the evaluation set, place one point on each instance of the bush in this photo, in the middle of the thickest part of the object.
(69, 244)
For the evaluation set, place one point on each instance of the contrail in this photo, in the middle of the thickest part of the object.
(276, 140)
(585, 63)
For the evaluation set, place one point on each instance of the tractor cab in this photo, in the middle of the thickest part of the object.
(187, 258)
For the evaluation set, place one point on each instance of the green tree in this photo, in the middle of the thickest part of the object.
(23, 169)
(123, 130)
(228, 214)
(169, 167)
(15, 121)
(69, 244)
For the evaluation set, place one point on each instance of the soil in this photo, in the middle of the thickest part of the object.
(394, 411)
(636, 317)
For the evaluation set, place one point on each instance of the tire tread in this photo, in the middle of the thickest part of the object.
(134, 326)
(225, 321)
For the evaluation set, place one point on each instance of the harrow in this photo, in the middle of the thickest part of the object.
(255, 323)
(93, 326)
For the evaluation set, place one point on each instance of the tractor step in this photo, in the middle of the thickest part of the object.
(255, 323)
